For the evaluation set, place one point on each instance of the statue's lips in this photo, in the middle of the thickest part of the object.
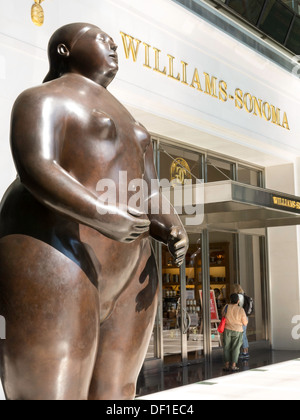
(115, 57)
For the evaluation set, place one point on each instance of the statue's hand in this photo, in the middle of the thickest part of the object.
(125, 225)
(178, 244)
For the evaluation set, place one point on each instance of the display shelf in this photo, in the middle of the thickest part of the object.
(219, 274)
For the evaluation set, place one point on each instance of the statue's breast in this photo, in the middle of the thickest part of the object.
(142, 136)
(102, 125)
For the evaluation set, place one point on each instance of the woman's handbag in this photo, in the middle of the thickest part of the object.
(221, 327)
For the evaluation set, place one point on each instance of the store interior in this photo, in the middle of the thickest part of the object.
(233, 259)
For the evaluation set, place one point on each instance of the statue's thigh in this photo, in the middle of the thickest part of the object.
(51, 311)
(125, 336)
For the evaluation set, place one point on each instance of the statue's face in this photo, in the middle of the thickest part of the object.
(94, 56)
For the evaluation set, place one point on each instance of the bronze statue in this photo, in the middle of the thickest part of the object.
(78, 286)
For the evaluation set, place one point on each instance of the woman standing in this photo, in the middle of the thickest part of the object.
(233, 335)
(245, 353)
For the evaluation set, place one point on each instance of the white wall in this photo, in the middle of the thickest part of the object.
(284, 286)
(284, 258)
(167, 107)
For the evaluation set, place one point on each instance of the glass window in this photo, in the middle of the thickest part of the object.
(276, 20)
(219, 170)
(179, 166)
(252, 282)
(249, 176)
(293, 4)
(249, 9)
(293, 42)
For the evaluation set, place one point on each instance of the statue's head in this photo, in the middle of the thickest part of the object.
(83, 49)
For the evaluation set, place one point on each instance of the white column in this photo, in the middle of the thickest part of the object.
(284, 257)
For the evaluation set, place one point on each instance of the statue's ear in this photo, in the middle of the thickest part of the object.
(63, 50)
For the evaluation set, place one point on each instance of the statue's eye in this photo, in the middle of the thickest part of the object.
(101, 38)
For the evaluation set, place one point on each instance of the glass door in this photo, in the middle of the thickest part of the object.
(194, 298)
(222, 277)
(185, 306)
(211, 267)
(252, 281)
(175, 318)
(180, 287)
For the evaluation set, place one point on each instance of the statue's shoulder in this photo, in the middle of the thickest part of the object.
(47, 94)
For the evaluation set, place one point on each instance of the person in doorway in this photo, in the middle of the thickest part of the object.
(233, 335)
(245, 347)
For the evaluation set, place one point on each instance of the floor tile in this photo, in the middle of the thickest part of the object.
(274, 382)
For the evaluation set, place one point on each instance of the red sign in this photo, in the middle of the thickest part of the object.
(213, 306)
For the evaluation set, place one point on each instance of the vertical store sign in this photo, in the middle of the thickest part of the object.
(213, 306)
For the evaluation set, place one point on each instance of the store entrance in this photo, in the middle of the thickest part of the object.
(197, 293)
(182, 317)
(227, 254)
(218, 263)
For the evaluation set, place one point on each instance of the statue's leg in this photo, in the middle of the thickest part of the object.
(125, 336)
(52, 322)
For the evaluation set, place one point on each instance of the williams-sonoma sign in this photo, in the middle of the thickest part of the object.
(202, 81)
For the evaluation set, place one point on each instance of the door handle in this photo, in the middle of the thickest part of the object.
(188, 319)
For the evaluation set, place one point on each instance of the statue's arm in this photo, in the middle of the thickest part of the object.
(37, 133)
(165, 228)
(38, 129)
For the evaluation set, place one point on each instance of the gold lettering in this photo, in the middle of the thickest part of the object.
(171, 69)
(257, 106)
(266, 116)
(147, 56)
(184, 78)
(196, 79)
(210, 85)
(247, 101)
(284, 202)
(275, 115)
(250, 108)
(285, 123)
(156, 68)
(223, 96)
(130, 45)
(239, 98)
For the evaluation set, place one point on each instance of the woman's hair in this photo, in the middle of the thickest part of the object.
(66, 36)
(234, 298)
(238, 289)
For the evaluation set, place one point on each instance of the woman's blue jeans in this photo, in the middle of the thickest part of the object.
(245, 339)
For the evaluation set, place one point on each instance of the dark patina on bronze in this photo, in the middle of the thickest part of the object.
(78, 289)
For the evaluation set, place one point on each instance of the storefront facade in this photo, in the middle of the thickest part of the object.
(219, 112)
(220, 257)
